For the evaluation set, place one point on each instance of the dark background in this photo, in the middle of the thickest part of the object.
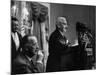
(74, 13)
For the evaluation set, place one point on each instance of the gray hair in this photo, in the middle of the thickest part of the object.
(59, 21)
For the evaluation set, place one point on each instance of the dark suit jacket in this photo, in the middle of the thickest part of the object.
(22, 65)
(14, 52)
(57, 48)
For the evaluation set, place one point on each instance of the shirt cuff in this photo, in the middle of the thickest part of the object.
(40, 62)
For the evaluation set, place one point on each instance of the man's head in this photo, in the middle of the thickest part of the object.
(30, 45)
(61, 24)
(14, 24)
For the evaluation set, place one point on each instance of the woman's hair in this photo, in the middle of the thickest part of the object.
(80, 27)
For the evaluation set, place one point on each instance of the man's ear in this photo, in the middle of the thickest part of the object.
(59, 25)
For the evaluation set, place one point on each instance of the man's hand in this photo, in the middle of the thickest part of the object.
(40, 56)
(68, 43)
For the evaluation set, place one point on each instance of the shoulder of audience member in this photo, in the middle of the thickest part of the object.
(20, 59)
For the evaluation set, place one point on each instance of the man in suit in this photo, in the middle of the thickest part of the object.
(16, 38)
(30, 59)
(58, 45)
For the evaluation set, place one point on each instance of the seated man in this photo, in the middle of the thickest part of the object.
(30, 59)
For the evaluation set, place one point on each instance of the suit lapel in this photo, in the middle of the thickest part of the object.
(62, 37)
(13, 43)
(29, 63)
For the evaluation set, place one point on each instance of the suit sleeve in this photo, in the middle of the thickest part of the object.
(57, 45)
(62, 47)
(20, 39)
(19, 68)
(38, 68)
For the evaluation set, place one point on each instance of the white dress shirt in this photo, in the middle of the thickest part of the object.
(16, 39)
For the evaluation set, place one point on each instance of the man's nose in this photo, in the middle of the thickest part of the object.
(37, 47)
